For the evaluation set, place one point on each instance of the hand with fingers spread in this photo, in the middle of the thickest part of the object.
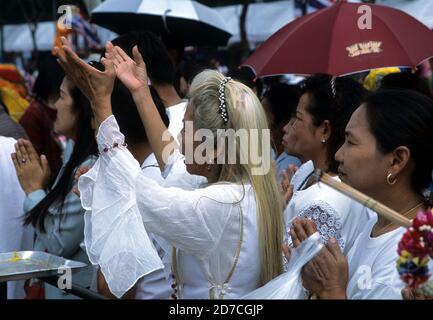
(94, 84)
(132, 73)
(33, 171)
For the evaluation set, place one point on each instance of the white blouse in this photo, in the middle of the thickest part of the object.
(372, 265)
(214, 228)
(335, 214)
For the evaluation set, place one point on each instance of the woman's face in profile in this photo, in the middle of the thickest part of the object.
(66, 118)
(361, 164)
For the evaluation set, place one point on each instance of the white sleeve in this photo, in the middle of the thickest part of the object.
(114, 234)
(121, 198)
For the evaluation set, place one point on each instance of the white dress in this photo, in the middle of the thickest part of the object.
(13, 235)
(214, 228)
(335, 214)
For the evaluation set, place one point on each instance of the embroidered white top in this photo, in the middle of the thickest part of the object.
(214, 227)
(335, 214)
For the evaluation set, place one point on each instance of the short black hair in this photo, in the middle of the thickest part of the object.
(48, 81)
(126, 113)
(158, 63)
(404, 118)
(283, 99)
(406, 80)
(248, 78)
(336, 109)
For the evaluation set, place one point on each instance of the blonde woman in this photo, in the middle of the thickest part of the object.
(227, 231)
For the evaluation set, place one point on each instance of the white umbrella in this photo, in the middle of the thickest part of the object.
(193, 22)
(263, 19)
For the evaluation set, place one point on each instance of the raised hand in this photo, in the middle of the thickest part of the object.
(33, 172)
(94, 84)
(132, 73)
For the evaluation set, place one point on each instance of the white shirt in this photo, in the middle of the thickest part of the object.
(335, 214)
(372, 265)
(175, 114)
(214, 228)
(13, 235)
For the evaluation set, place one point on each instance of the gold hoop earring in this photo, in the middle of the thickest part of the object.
(388, 179)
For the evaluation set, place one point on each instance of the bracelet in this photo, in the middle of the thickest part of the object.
(415, 249)
(115, 145)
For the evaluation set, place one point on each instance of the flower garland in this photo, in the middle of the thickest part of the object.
(415, 249)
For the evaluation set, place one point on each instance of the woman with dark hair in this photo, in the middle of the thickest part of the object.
(50, 206)
(280, 102)
(316, 134)
(387, 155)
(39, 117)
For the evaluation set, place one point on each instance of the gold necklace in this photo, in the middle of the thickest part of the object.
(403, 214)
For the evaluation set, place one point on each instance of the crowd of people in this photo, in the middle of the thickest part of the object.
(98, 171)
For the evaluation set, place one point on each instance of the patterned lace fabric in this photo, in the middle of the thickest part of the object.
(327, 222)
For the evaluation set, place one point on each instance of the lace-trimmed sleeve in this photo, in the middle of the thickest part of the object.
(327, 221)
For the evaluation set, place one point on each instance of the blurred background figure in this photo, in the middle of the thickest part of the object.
(38, 120)
(406, 80)
(13, 235)
(280, 102)
(8, 127)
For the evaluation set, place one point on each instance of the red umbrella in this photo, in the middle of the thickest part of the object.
(330, 41)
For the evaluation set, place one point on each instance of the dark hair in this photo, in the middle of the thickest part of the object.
(126, 113)
(337, 110)
(248, 78)
(283, 99)
(406, 80)
(158, 63)
(48, 81)
(85, 145)
(404, 118)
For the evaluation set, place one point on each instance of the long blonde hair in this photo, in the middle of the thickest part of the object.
(244, 112)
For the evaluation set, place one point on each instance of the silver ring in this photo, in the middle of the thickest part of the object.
(23, 160)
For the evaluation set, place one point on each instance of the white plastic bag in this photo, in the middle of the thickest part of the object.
(289, 284)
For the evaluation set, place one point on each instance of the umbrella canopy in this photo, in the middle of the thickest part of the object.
(330, 41)
(193, 22)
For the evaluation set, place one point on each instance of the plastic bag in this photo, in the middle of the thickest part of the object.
(289, 284)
